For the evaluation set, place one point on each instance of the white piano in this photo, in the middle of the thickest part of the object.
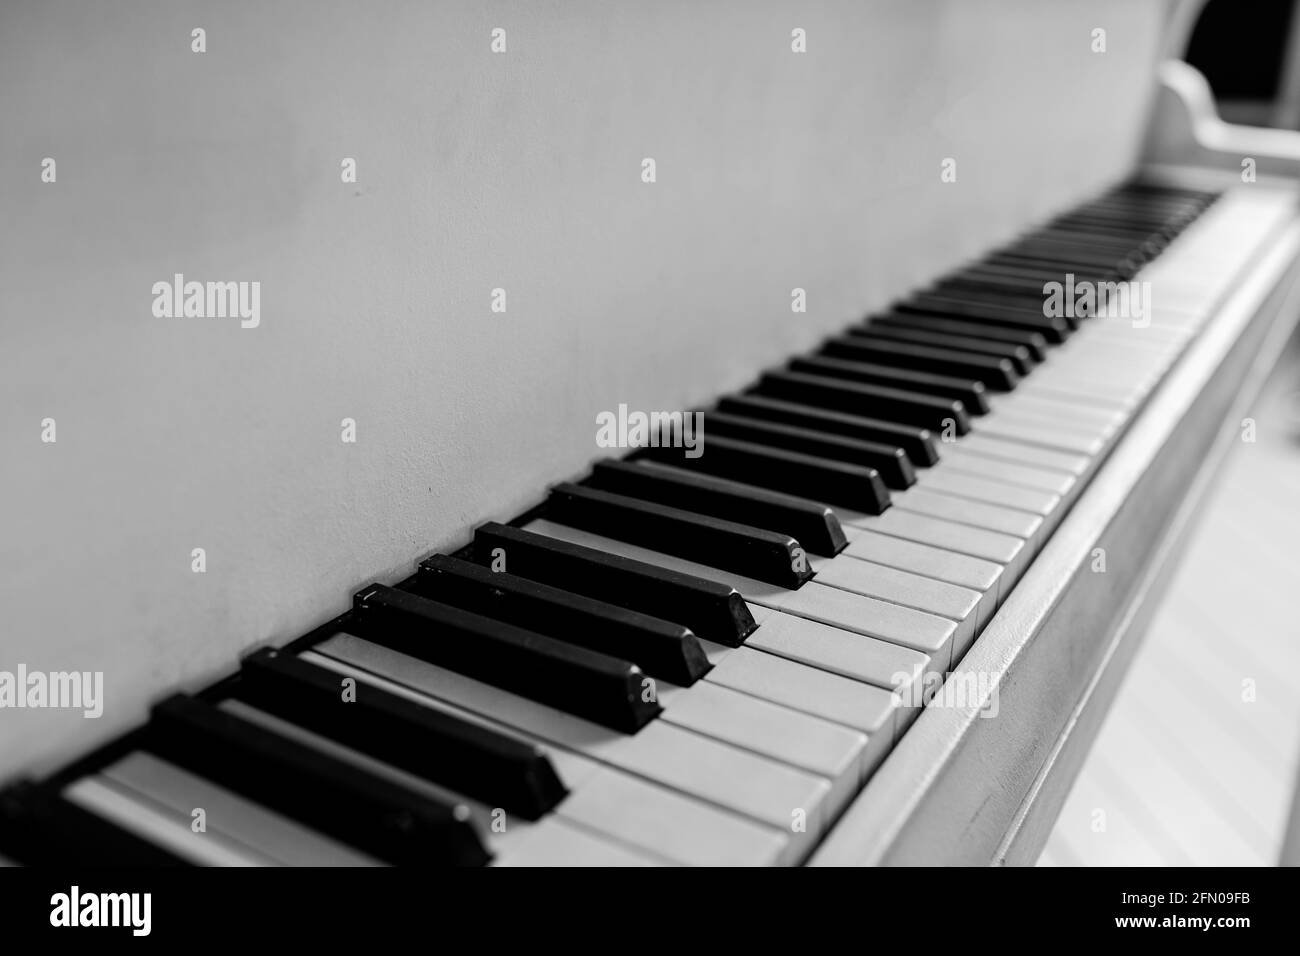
(363, 581)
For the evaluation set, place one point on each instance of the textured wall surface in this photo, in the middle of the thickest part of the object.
(475, 171)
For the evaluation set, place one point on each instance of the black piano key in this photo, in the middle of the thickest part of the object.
(1150, 244)
(1033, 341)
(1035, 272)
(762, 555)
(1146, 245)
(996, 373)
(468, 758)
(40, 828)
(812, 524)
(661, 648)
(1160, 229)
(1079, 254)
(1011, 306)
(891, 461)
(1100, 292)
(970, 392)
(1109, 230)
(1130, 204)
(1127, 205)
(1035, 275)
(1126, 269)
(1138, 194)
(599, 687)
(1060, 259)
(1156, 192)
(836, 482)
(1031, 302)
(972, 303)
(996, 290)
(1018, 355)
(975, 302)
(714, 611)
(1023, 302)
(1003, 291)
(1115, 219)
(1085, 219)
(984, 284)
(1096, 239)
(912, 408)
(334, 796)
(1022, 306)
(1053, 328)
(917, 442)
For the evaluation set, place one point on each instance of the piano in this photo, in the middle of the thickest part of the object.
(874, 617)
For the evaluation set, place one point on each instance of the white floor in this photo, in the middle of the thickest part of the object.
(1188, 770)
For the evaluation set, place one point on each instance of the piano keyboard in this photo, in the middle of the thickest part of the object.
(681, 661)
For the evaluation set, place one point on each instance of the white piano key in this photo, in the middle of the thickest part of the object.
(675, 826)
(1069, 407)
(991, 446)
(1073, 383)
(946, 600)
(1082, 420)
(1094, 341)
(1036, 431)
(1102, 363)
(1121, 360)
(961, 569)
(1004, 549)
(1106, 358)
(1162, 351)
(1040, 479)
(1050, 388)
(1152, 337)
(930, 634)
(1156, 342)
(1166, 323)
(758, 787)
(164, 828)
(1096, 414)
(771, 730)
(833, 649)
(1108, 363)
(813, 690)
(1080, 357)
(859, 613)
(1022, 524)
(1132, 395)
(626, 809)
(1120, 367)
(555, 842)
(246, 822)
(993, 492)
(1033, 414)
(763, 790)
(892, 669)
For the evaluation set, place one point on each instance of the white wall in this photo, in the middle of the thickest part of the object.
(521, 170)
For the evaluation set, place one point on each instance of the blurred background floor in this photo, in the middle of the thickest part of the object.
(1196, 763)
